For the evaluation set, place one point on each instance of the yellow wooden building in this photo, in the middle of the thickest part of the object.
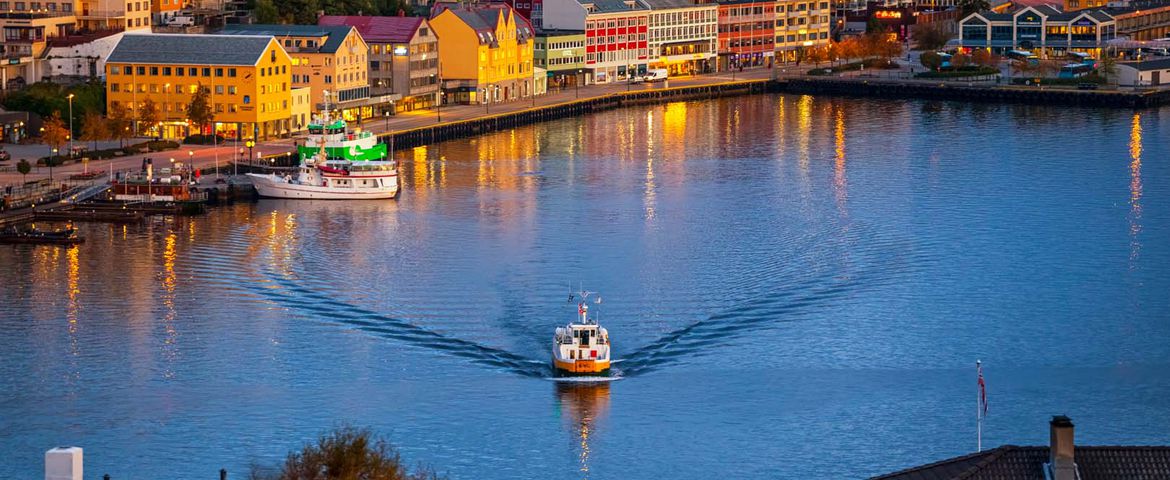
(325, 58)
(485, 53)
(247, 79)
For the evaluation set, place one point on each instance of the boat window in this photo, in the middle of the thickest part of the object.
(572, 354)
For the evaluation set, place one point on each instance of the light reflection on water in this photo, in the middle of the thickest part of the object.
(784, 277)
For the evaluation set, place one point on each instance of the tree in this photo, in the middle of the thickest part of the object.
(1107, 65)
(54, 133)
(94, 128)
(931, 36)
(266, 12)
(199, 110)
(931, 60)
(148, 114)
(119, 123)
(960, 60)
(967, 7)
(347, 453)
(23, 167)
(984, 58)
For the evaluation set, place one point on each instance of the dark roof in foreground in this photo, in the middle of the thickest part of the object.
(336, 34)
(377, 29)
(1159, 64)
(1010, 462)
(189, 49)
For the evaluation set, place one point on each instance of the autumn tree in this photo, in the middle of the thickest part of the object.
(23, 167)
(931, 36)
(960, 60)
(984, 58)
(347, 453)
(199, 110)
(148, 114)
(54, 133)
(967, 7)
(94, 128)
(931, 60)
(119, 123)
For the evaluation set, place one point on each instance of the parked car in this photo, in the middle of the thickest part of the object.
(5, 156)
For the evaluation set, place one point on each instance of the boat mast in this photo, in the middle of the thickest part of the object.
(324, 130)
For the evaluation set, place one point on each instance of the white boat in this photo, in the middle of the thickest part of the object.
(582, 347)
(336, 164)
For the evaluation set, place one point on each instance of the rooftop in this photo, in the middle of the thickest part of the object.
(1011, 462)
(672, 4)
(335, 34)
(377, 29)
(181, 49)
(1159, 64)
(612, 6)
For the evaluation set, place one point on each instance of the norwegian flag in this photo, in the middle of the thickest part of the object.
(982, 389)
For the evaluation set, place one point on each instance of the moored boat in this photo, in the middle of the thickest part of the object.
(39, 237)
(336, 164)
(582, 347)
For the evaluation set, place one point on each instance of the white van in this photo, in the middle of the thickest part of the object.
(181, 22)
(655, 75)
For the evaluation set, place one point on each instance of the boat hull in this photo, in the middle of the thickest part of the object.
(271, 187)
(581, 367)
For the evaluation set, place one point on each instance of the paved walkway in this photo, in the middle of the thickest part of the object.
(209, 157)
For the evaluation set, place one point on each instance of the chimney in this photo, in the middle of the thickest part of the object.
(1061, 465)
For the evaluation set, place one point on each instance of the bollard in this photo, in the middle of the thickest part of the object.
(222, 474)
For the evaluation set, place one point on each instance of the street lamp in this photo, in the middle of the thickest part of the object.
(191, 161)
(577, 84)
(387, 115)
(70, 97)
(235, 164)
(250, 144)
(486, 104)
(52, 158)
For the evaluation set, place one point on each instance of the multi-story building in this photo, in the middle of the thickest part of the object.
(113, 14)
(26, 33)
(616, 35)
(747, 32)
(683, 36)
(1042, 30)
(404, 58)
(246, 78)
(801, 24)
(1141, 20)
(562, 54)
(331, 59)
(533, 10)
(163, 11)
(485, 53)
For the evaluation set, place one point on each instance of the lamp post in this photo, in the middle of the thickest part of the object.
(387, 115)
(439, 108)
(70, 97)
(52, 158)
(235, 164)
(191, 161)
(250, 144)
(577, 84)
(486, 101)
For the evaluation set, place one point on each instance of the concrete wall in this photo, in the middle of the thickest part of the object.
(1128, 76)
(563, 15)
(81, 60)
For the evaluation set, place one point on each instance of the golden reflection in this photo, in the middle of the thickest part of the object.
(674, 123)
(804, 121)
(839, 161)
(169, 283)
(649, 199)
(1135, 187)
(74, 291)
(583, 405)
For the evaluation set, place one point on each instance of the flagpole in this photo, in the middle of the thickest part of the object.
(979, 408)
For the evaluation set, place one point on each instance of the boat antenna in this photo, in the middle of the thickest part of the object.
(324, 130)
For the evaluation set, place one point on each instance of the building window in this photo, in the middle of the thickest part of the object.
(192, 72)
(166, 71)
(66, 7)
(114, 69)
(247, 99)
(231, 72)
(113, 87)
(179, 71)
(206, 71)
(329, 79)
(142, 70)
(219, 72)
(219, 89)
(232, 90)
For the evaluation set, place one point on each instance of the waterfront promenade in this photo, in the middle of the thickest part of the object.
(207, 157)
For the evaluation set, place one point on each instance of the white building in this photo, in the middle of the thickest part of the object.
(683, 36)
(80, 57)
(1150, 73)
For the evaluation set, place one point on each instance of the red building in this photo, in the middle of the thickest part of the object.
(531, 9)
(615, 44)
(746, 33)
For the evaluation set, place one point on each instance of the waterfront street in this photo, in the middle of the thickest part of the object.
(207, 157)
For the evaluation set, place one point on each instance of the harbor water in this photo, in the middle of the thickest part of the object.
(795, 287)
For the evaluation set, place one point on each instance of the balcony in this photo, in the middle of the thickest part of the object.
(92, 14)
(34, 15)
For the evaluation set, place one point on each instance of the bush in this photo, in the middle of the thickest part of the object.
(346, 453)
(931, 60)
(160, 145)
(200, 139)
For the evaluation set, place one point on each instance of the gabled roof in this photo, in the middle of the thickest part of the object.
(180, 49)
(377, 29)
(1010, 462)
(483, 19)
(336, 34)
